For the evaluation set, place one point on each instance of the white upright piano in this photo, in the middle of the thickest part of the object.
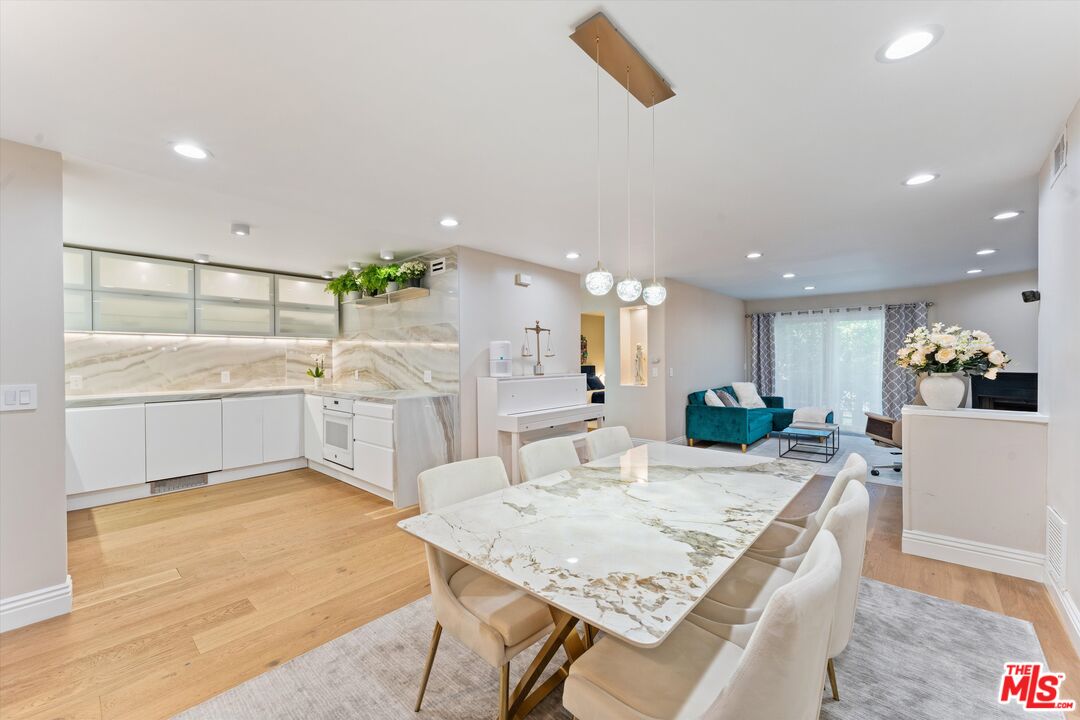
(513, 411)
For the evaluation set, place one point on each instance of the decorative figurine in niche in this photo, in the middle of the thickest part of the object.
(639, 365)
(584, 350)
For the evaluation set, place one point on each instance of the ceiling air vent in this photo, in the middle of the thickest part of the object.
(438, 266)
(1055, 544)
(1060, 156)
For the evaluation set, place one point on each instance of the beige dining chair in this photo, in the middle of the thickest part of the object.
(608, 441)
(695, 673)
(791, 537)
(493, 619)
(742, 595)
(544, 457)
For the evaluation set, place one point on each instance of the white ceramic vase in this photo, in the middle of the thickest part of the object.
(942, 391)
(317, 382)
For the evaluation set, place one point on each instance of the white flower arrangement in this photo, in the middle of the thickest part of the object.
(318, 363)
(952, 349)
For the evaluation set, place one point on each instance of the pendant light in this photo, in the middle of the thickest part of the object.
(629, 288)
(599, 280)
(654, 292)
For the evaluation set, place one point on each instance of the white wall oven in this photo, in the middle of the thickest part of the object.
(338, 432)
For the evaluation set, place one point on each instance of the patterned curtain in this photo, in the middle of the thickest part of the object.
(762, 352)
(897, 384)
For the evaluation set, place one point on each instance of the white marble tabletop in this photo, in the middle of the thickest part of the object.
(628, 543)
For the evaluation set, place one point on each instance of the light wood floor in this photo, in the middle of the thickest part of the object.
(182, 596)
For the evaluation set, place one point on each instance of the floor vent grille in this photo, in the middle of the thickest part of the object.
(1055, 544)
(183, 482)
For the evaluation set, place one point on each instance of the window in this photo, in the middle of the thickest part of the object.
(831, 359)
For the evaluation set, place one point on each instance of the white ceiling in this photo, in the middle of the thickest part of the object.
(341, 128)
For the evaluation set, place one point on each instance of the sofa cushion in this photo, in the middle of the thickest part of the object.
(781, 417)
(712, 399)
(748, 395)
(727, 399)
(696, 398)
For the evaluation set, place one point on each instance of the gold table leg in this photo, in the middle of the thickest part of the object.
(522, 701)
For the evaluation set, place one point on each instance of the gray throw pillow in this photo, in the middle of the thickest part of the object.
(726, 398)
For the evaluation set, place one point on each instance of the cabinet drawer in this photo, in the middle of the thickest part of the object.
(373, 464)
(373, 430)
(182, 438)
(375, 410)
(106, 447)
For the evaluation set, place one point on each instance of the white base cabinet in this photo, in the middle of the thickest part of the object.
(260, 430)
(283, 427)
(313, 427)
(105, 448)
(182, 438)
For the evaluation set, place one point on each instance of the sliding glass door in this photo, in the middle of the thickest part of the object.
(831, 359)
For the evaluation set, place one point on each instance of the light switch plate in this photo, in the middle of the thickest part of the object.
(655, 372)
(427, 376)
(671, 372)
(18, 397)
(226, 377)
(75, 381)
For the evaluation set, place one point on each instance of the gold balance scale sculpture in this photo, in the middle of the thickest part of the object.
(538, 368)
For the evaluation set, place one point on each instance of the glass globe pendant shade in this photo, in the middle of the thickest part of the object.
(599, 280)
(629, 289)
(654, 293)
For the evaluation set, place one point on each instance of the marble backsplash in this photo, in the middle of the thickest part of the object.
(115, 363)
(392, 346)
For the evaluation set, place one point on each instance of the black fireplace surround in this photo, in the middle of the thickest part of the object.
(1010, 391)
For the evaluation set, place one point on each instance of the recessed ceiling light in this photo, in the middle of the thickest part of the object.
(386, 254)
(241, 229)
(190, 151)
(809, 287)
(753, 255)
(202, 258)
(974, 271)
(986, 251)
(788, 276)
(573, 255)
(448, 222)
(354, 265)
(910, 43)
(920, 179)
(1008, 215)
(327, 274)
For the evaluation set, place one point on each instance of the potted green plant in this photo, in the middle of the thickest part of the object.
(317, 371)
(391, 272)
(346, 285)
(411, 272)
(373, 280)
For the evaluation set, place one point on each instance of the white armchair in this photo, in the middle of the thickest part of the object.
(608, 441)
(544, 457)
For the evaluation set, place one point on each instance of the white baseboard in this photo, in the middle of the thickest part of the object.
(1066, 606)
(681, 440)
(35, 606)
(350, 480)
(970, 553)
(142, 490)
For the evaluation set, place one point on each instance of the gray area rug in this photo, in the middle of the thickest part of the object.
(912, 656)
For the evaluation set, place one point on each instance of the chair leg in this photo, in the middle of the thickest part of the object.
(435, 635)
(744, 447)
(690, 442)
(832, 679)
(504, 691)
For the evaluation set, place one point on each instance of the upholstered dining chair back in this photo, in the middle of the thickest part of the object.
(847, 523)
(544, 457)
(608, 441)
(452, 483)
(854, 469)
(781, 672)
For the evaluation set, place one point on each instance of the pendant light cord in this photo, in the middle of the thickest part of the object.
(627, 171)
(652, 111)
(598, 244)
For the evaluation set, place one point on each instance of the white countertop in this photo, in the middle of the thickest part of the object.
(383, 396)
(629, 543)
(976, 414)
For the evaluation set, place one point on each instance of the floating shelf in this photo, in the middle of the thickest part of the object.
(397, 296)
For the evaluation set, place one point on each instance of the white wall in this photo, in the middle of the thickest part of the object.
(1059, 347)
(706, 346)
(33, 521)
(494, 308)
(991, 303)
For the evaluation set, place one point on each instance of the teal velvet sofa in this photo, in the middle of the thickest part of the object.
(737, 425)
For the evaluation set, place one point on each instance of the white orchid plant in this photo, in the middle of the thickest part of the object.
(941, 349)
(318, 361)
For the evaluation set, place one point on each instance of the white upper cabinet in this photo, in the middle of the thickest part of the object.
(303, 291)
(124, 312)
(307, 322)
(144, 276)
(219, 283)
(78, 310)
(76, 269)
(214, 317)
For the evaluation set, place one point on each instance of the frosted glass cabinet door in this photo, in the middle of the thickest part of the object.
(303, 291)
(76, 269)
(217, 283)
(226, 318)
(146, 276)
(122, 312)
(78, 310)
(306, 322)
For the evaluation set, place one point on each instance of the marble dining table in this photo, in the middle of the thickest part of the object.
(627, 544)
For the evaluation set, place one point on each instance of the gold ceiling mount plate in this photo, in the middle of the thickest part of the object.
(616, 55)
